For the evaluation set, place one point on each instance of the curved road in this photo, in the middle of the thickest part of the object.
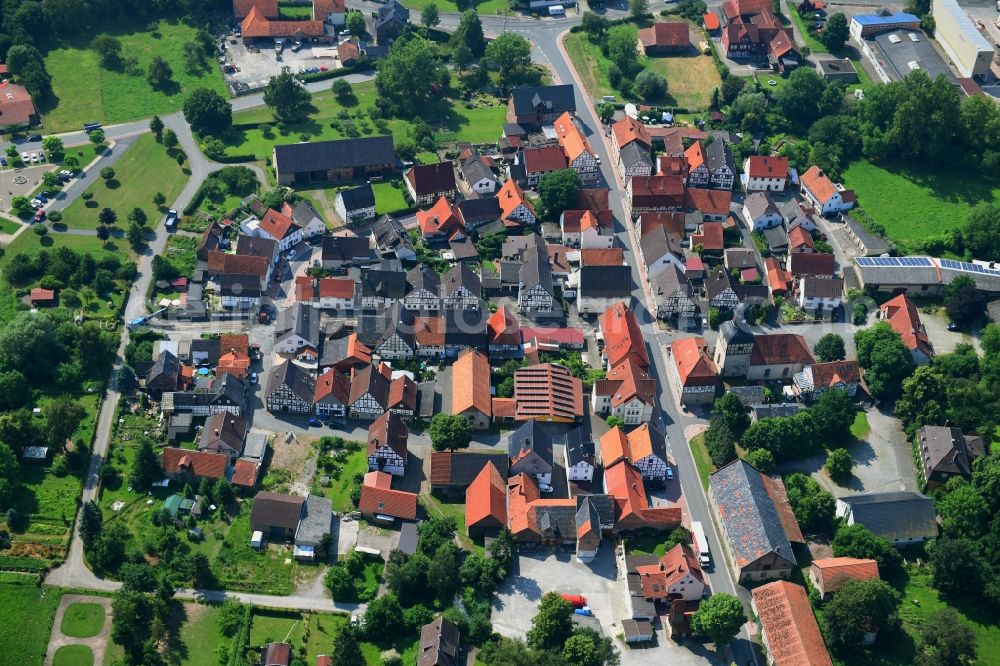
(545, 35)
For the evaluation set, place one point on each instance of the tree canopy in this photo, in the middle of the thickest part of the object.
(885, 359)
(449, 432)
(720, 617)
(289, 99)
(207, 111)
(411, 74)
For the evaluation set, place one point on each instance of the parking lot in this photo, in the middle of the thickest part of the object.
(15, 182)
(254, 69)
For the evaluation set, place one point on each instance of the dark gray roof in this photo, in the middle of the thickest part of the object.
(777, 238)
(432, 178)
(392, 11)
(423, 277)
(464, 249)
(605, 281)
(389, 233)
(769, 411)
(475, 170)
(514, 129)
(465, 328)
(873, 243)
(748, 395)
(718, 155)
(536, 268)
(387, 284)
(346, 248)
(244, 286)
(553, 99)
(736, 333)
(894, 515)
(408, 538)
(229, 388)
(357, 198)
(478, 211)
(256, 246)
(255, 446)
(166, 366)
(716, 282)
(300, 319)
(296, 378)
(460, 276)
(578, 447)
(752, 524)
(464, 466)
(304, 212)
(657, 243)
(375, 327)
(605, 505)
(671, 280)
(316, 520)
(753, 293)
(337, 154)
(946, 450)
(633, 154)
(532, 436)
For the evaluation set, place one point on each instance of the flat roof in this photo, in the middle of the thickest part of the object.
(896, 50)
(875, 19)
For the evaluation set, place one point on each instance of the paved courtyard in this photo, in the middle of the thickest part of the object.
(255, 69)
(97, 644)
(537, 573)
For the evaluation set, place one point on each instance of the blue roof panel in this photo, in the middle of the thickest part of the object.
(875, 19)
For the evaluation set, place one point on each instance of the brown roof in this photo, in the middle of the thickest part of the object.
(780, 349)
(628, 129)
(612, 256)
(348, 51)
(237, 264)
(626, 381)
(711, 236)
(821, 287)
(710, 202)
(377, 497)
(811, 263)
(332, 287)
(268, 8)
(201, 464)
(39, 295)
(834, 372)
(504, 408)
(694, 365)
(334, 383)
(237, 342)
(432, 178)
(622, 337)
(673, 33)
(276, 510)
(16, 107)
(787, 620)
(765, 166)
(277, 654)
(799, 237)
(671, 222)
(245, 473)
(486, 498)
(547, 158)
(833, 572)
(547, 392)
(323, 7)
(470, 383)
(402, 393)
(388, 430)
(439, 644)
(503, 328)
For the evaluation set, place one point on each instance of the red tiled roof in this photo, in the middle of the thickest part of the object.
(614, 447)
(765, 166)
(624, 482)
(903, 317)
(39, 295)
(811, 263)
(709, 202)
(402, 393)
(575, 221)
(711, 20)
(622, 337)
(268, 8)
(570, 137)
(835, 372)
(799, 237)
(817, 182)
(780, 349)
(640, 442)
(625, 382)
(303, 288)
(237, 264)
(558, 336)
(436, 178)
(672, 33)
(504, 408)
(377, 497)
(833, 572)
(547, 392)
(323, 7)
(671, 221)
(429, 331)
(16, 107)
(787, 620)
(257, 25)
(671, 569)
(503, 328)
(510, 197)
(694, 155)
(245, 473)
(332, 287)
(332, 383)
(694, 365)
(628, 129)
(348, 51)
(778, 279)
(540, 160)
(198, 463)
(612, 256)
(470, 383)
(230, 363)
(710, 238)
(440, 218)
(486, 497)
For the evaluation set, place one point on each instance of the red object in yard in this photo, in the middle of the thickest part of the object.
(322, 68)
(575, 599)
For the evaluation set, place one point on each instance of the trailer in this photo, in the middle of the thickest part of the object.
(700, 543)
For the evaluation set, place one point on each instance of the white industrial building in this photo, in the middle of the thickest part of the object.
(965, 45)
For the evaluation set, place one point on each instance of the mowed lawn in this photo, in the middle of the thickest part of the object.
(139, 174)
(486, 7)
(914, 205)
(690, 78)
(85, 92)
(454, 123)
(28, 612)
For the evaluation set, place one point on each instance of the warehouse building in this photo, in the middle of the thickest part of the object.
(965, 45)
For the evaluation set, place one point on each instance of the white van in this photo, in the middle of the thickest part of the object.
(557, 10)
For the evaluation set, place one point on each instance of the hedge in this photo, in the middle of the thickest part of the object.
(232, 159)
(26, 564)
(240, 640)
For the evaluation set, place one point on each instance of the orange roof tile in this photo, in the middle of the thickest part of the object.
(429, 331)
(614, 447)
(671, 33)
(377, 497)
(778, 279)
(332, 287)
(600, 256)
(904, 318)
(470, 383)
(765, 166)
(627, 381)
(695, 156)
(198, 463)
(266, 7)
(694, 365)
(245, 473)
(504, 408)
(257, 25)
(640, 442)
(510, 197)
(486, 497)
(503, 328)
(16, 107)
(522, 490)
(303, 288)
(787, 620)
(711, 236)
(402, 393)
(711, 20)
(232, 364)
(818, 183)
(440, 218)
(799, 237)
(332, 383)
(629, 129)
(570, 138)
(833, 572)
(709, 202)
(622, 337)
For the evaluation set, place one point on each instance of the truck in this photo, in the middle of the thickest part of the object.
(700, 543)
(576, 600)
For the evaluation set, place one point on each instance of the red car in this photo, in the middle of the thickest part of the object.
(40, 216)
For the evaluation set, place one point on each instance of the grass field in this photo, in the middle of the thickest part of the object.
(240, 567)
(340, 488)
(487, 7)
(197, 636)
(439, 507)
(83, 620)
(31, 244)
(28, 612)
(295, 12)
(814, 44)
(388, 198)
(916, 204)
(860, 428)
(701, 459)
(289, 626)
(134, 185)
(85, 92)
(73, 655)
(330, 118)
(690, 78)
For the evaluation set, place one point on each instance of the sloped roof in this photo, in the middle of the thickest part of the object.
(388, 430)
(573, 143)
(818, 183)
(766, 166)
(553, 99)
(547, 390)
(622, 337)
(894, 515)
(470, 383)
(903, 317)
(628, 129)
(486, 497)
(276, 510)
(432, 178)
(378, 497)
(780, 349)
(438, 644)
(694, 366)
(787, 620)
(335, 154)
(459, 468)
(671, 33)
(833, 572)
(811, 263)
(625, 382)
(198, 463)
(546, 158)
(268, 8)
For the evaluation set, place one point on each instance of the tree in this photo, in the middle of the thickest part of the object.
(26, 63)
(830, 348)
(558, 191)
(649, 85)
(441, 572)
(231, 615)
(62, 417)
(107, 216)
(138, 216)
(410, 74)
(838, 465)
(9, 471)
(553, 625)
(103, 232)
(470, 33)
(720, 442)
(137, 577)
(449, 432)
(814, 508)
(956, 568)
(762, 459)
(429, 16)
(342, 89)
(923, 399)
(13, 389)
(835, 32)
(833, 415)
(748, 109)
(858, 541)
(26, 344)
(858, 607)
(605, 111)
(346, 651)
(136, 236)
(159, 72)
(355, 23)
(288, 98)
(156, 127)
(510, 53)
(587, 648)
(594, 25)
(732, 86)
(207, 112)
(885, 358)
(965, 304)
(462, 56)
(132, 612)
(384, 615)
(638, 8)
(159, 198)
(620, 48)
(801, 99)
(53, 145)
(963, 509)
(720, 617)
(145, 468)
(91, 523)
(731, 410)
(108, 50)
(107, 173)
(946, 641)
(96, 136)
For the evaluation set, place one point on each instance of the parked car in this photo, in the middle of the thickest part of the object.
(25, 158)
(545, 488)
(35, 137)
(66, 173)
(41, 197)
(171, 218)
(40, 216)
(253, 377)
(315, 422)
(88, 127)
(670, 473)
(34, 157)
(952, 326)
(41, 156)
(3, 161)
